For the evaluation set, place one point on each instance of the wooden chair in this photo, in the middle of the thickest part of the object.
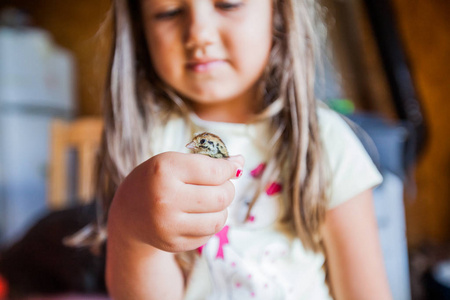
(83, 137)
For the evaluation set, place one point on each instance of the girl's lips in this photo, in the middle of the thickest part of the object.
(204, 66)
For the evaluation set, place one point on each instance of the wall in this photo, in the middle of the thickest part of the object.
(356, 57)
(74, 25)
(425, 30)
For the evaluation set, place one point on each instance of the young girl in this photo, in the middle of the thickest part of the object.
(298, 224)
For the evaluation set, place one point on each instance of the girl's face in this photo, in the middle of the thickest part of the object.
(212, 52)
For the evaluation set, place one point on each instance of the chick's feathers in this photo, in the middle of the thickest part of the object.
(208, 144)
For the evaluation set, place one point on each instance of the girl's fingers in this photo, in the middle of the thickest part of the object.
(204, 198)
(203, 170)
(199, 225)
(238, 159)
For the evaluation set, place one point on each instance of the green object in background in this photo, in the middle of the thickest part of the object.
(342, 106)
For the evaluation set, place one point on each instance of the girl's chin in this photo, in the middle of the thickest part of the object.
(208, 98)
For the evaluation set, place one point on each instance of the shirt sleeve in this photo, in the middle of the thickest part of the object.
(350, 167)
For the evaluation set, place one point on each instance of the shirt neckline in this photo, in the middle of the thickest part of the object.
(229, 127)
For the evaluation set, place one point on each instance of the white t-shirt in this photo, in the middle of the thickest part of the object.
(252, 259)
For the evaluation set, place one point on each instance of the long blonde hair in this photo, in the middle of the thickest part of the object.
(136, 96)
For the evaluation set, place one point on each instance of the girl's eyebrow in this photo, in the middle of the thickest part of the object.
(155, 4)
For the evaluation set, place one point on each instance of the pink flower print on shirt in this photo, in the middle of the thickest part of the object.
(223, 240)
(273, 188)
(257, 172)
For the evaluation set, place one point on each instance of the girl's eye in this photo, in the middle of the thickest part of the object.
(168, 14)
(228, 5)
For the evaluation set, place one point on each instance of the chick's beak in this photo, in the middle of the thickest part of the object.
(191, 145)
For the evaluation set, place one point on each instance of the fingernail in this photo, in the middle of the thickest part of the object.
(239, 173)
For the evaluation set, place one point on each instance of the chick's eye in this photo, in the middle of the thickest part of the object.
(202, 141)
(224, 5)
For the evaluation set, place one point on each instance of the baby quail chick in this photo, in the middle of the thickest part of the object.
(208, 144)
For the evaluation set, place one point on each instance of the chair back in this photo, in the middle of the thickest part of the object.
(81, 136)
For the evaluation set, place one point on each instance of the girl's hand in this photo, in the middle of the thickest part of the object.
(174, 201)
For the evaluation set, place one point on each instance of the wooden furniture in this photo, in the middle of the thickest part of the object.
(82, 136)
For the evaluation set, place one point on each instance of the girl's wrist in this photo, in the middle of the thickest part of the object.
(122, 236)
(120, 233)
(132, 265)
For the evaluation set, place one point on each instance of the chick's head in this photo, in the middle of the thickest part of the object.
(208, 144)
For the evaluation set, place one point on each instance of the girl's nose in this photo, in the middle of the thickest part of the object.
(200, 29)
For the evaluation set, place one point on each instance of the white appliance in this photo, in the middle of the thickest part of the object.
(36, 85)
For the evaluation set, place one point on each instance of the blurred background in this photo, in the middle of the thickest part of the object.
(385, 66)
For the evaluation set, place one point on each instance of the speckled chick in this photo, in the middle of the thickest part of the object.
(208, 144)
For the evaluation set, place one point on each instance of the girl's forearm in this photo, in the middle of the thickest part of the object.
(136, 270)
